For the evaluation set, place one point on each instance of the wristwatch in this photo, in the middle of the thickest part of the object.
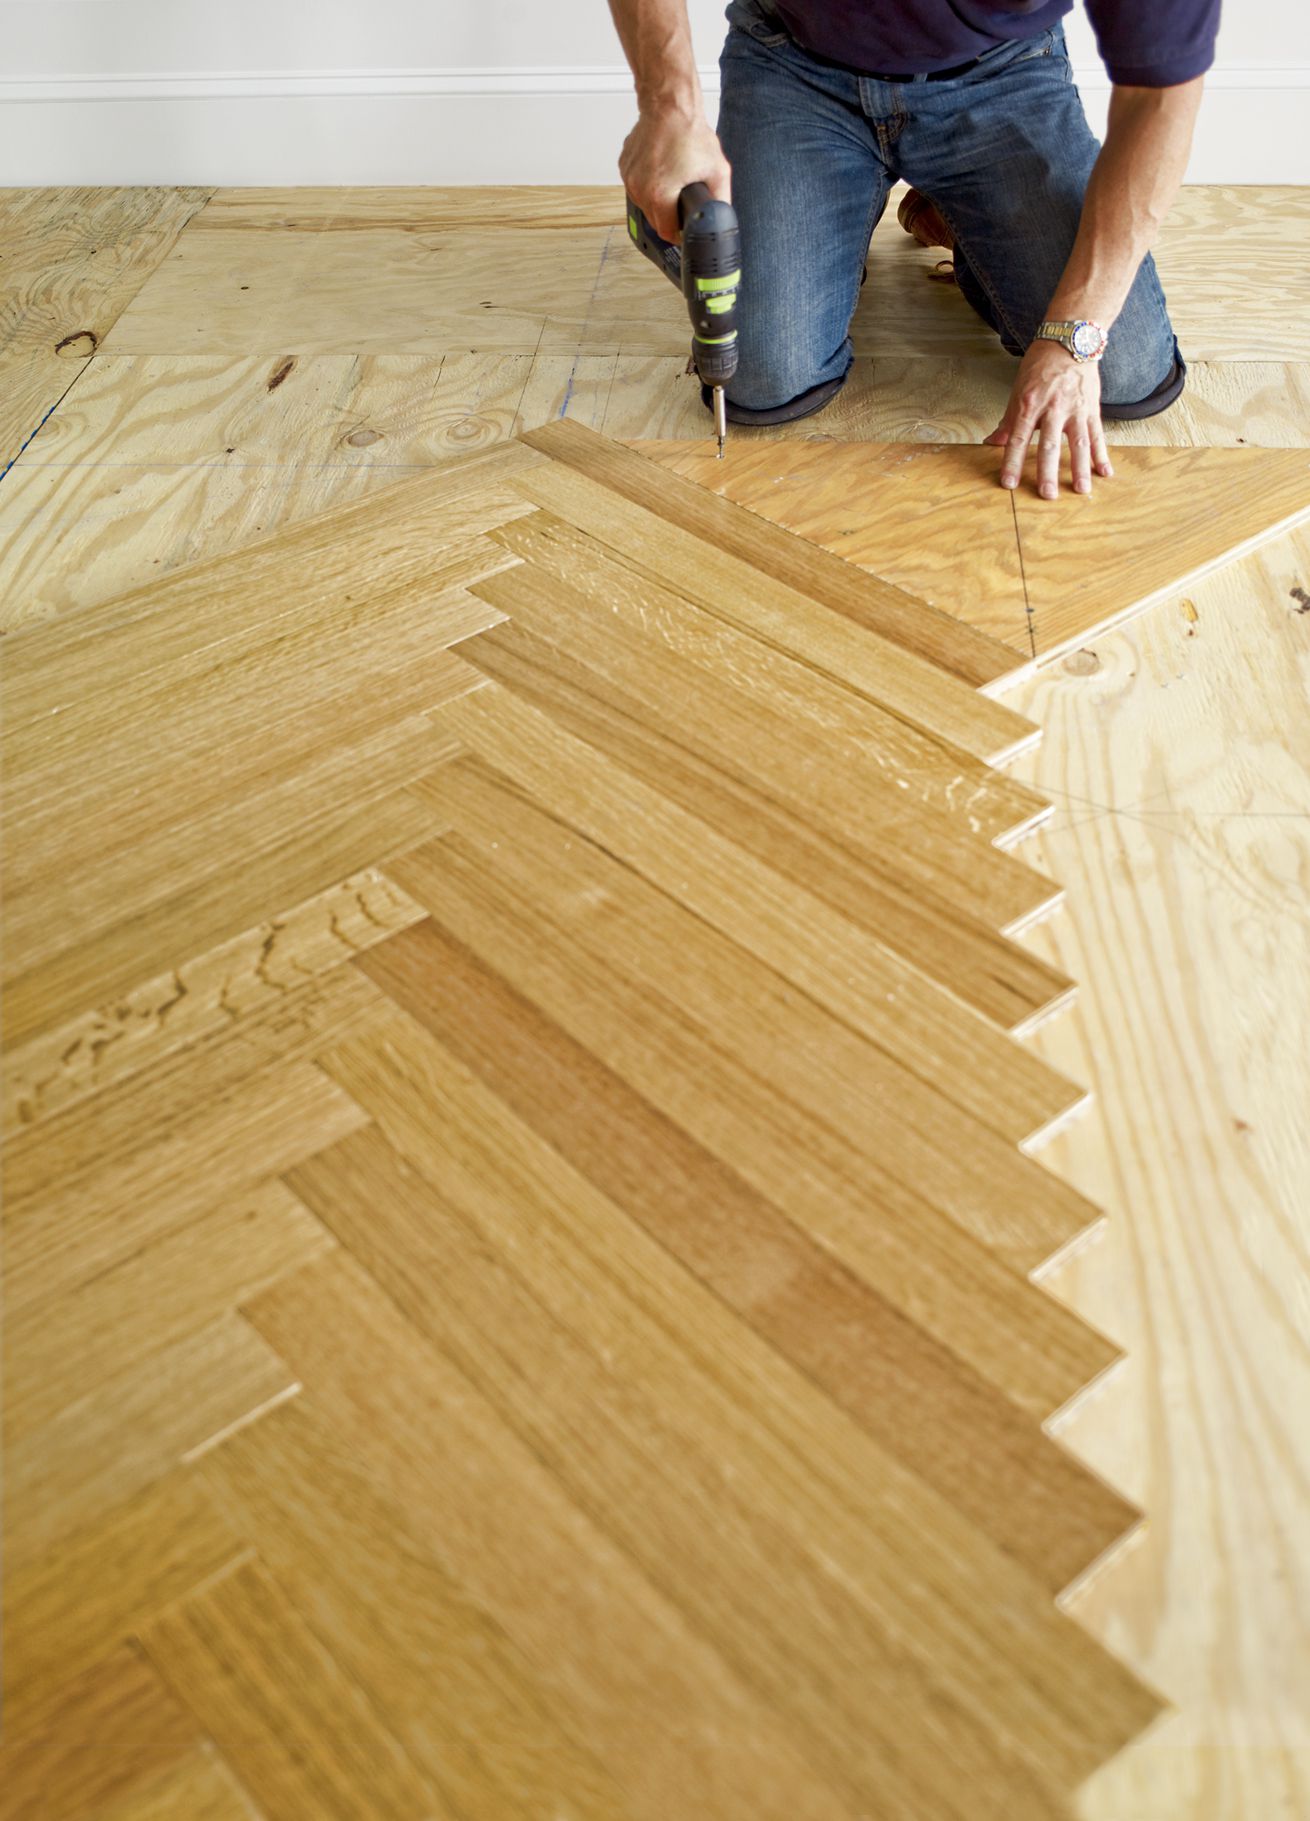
(1084, 340)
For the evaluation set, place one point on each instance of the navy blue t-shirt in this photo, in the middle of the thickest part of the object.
(1146, 43)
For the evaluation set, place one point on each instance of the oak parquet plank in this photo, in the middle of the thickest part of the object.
(75, 1604)
(200, 1787)
(876, 604)
(364, 1570)
(627, 970)
(128, 1433)
(987, 802)
(840, 1585)
(61, 1346)
(242, 978)
(62, 1230)
(300, 1734)
(858, 978)
(646, 1688)
(831, 642)
(293, 852)
(907, 848)
(985, 969)
(456, 1215)
(93, 1744)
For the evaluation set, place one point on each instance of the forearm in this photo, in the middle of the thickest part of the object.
(1133, 186)
(656, 39)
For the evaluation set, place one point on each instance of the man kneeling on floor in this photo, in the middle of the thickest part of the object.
(826, 103)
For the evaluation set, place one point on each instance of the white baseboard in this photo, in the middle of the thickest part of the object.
(468, 126)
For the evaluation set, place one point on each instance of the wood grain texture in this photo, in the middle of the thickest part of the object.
(466, 1176)
(781, 920)
(363, 208)
(1040, 575)
(859, 1587)
(93, 1748)
(1183, 754)
(301, 1735)
(364, 1566)
(871, 604)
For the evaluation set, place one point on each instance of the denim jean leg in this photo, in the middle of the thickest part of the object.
(808, 186)
(1006, 152)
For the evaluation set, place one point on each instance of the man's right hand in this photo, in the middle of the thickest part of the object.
(664, 152)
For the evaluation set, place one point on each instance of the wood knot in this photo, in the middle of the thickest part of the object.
(1082, 663)
(363, 439)
(280, 372)
(78, 346)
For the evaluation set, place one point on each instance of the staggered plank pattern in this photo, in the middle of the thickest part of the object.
(519, 1223)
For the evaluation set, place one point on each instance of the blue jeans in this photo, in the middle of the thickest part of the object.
(1004, 151)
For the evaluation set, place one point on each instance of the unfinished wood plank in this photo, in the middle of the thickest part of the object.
(801, 1278)
(1202, 292)
(480, 1181)
(286, 862)
(988, 802)
(742, 1033)
(855, 975)
(875, 605)
(364, 1568)
(648, 1692)
(301, 1735)
(698, 716)
(844, 1581)
(76, 1604)
(131, 1431)
(61, 1346)
(35, 385)
(985, 969)
(93, 1744)
(242, 978)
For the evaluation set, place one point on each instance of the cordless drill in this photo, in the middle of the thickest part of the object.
(707, 270)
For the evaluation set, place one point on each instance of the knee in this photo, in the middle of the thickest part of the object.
(772, 376)
(1140, 382)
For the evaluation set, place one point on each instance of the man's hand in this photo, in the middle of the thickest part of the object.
(666, 150)
(1055, 397)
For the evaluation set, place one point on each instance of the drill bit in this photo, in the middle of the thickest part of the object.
(720, 418)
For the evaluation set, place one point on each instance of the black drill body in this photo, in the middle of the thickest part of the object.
(706, 268)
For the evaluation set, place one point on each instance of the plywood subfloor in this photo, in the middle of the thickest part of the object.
(155, 459)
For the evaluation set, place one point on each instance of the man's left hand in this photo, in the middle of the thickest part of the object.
(1057, 398)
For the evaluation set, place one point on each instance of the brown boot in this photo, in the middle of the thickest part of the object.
(919, 217)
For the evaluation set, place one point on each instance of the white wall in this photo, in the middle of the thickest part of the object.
(456, 91)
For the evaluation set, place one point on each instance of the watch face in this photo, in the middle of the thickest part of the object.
(1087, 340)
